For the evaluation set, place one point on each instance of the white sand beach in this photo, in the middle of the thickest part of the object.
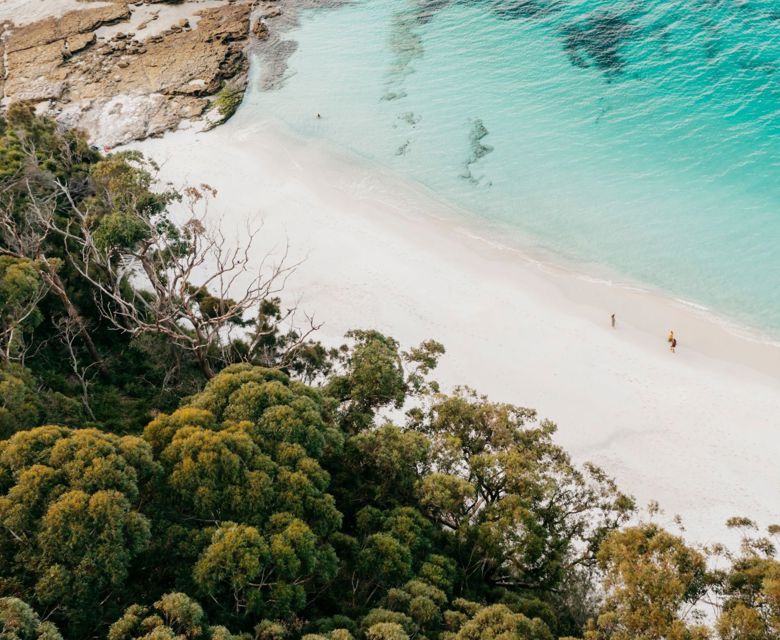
(697, 430)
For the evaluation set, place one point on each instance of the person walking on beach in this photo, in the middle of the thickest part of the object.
(671, 337)
(612, 318)
(673, 345)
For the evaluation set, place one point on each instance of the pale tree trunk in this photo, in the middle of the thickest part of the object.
(58, 287)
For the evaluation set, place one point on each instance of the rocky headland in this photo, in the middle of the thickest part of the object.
(125, 71)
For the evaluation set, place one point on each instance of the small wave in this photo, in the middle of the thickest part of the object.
(693, 305)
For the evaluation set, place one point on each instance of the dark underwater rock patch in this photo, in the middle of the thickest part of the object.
(410, 118)
(526, 9)
(598, 40)
(427, 9)
(406, 44)
(403, 149)
(478, 149)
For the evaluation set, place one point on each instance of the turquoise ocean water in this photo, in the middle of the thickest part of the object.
(642, 136)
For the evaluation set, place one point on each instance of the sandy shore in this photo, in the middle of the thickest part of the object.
(696, 430)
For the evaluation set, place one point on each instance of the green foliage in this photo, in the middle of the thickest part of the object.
(385, 559)
(228, 100)
(649, 576)
(242, 465)
(174, 616)
(386, 617)
(119, 229)
(373, 376)
(510, 495)
(20, 403)
(750, 588)
(499, 621)
(752, 605)
(55, 151)
(270, 630)
(69, 530)
(122, 203)
(21, 288)
(390, 461)
(54, 190)
(262, 574)
(386, 631)
(252, 450)
(96, 271)
(18, 621)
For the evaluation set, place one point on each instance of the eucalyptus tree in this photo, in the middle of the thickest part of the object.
(522, 514)
(18, 621)
(70, 523)
(653, 582)
(175, 616)
(246, 500)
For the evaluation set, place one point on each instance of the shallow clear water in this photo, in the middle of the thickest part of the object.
(640, 135)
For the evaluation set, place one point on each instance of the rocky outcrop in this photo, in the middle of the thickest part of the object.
(52, 29)
(34, 53)
(125, 86)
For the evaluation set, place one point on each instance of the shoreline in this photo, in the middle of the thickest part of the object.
(385, 253)
(745, 345)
